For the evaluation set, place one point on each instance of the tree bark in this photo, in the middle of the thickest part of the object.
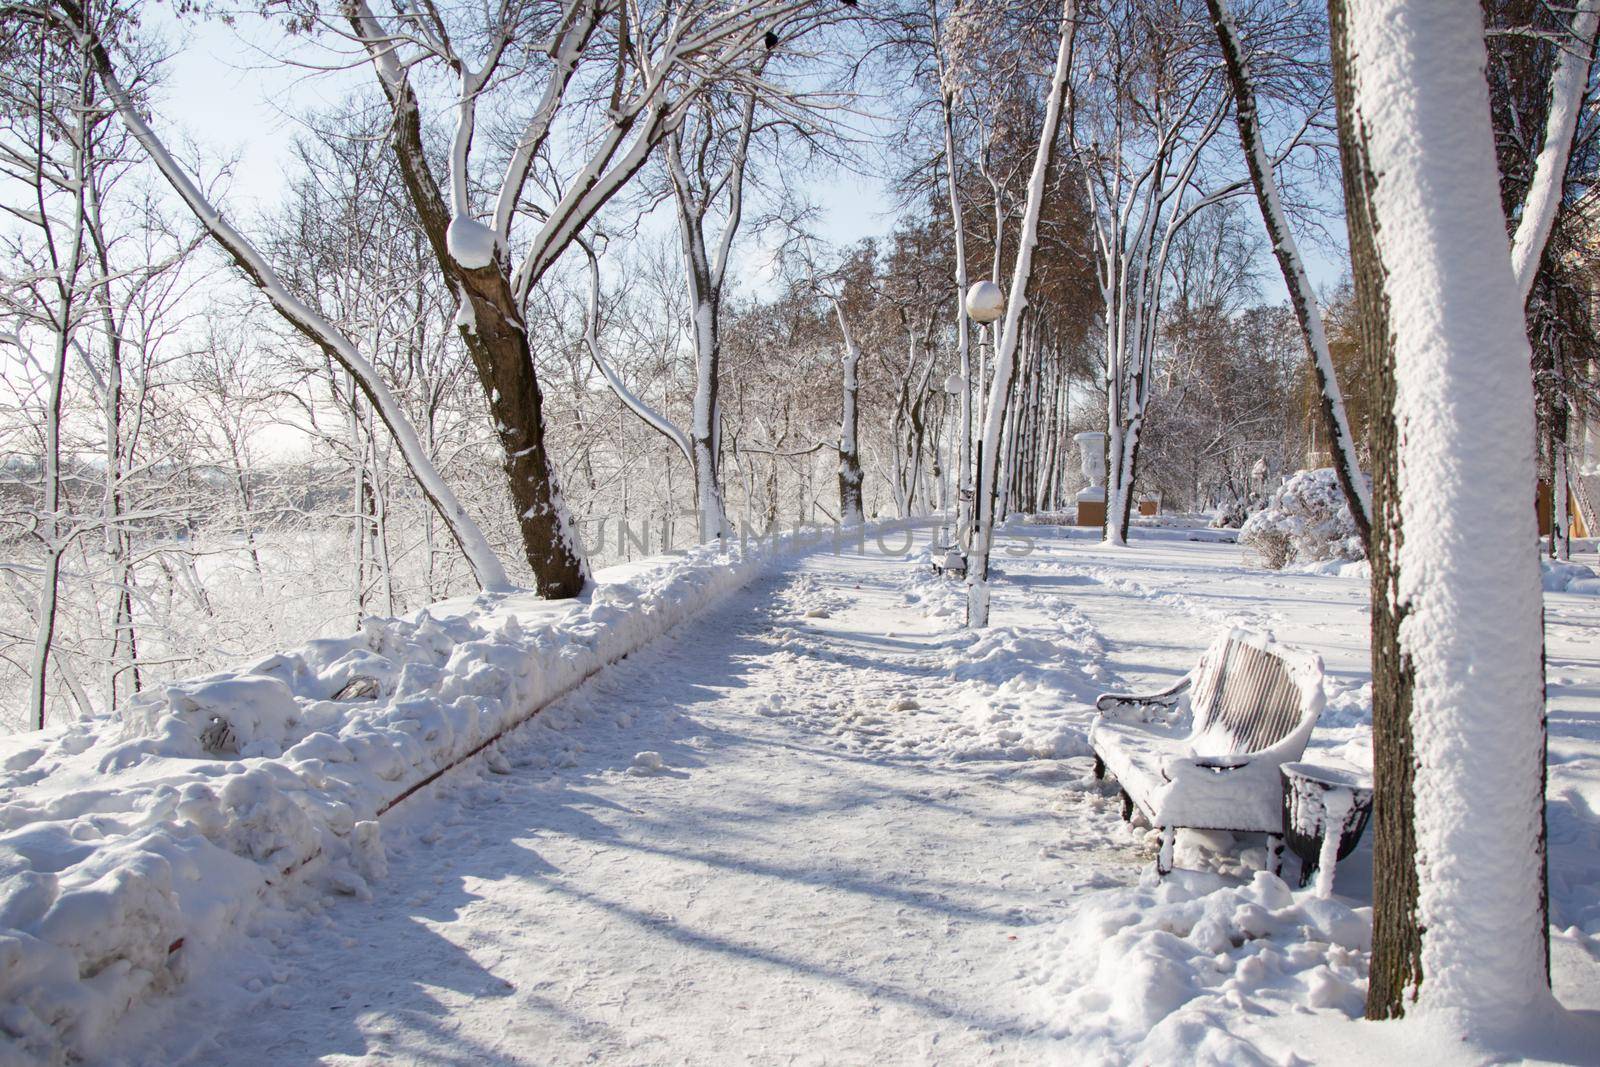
(1396, 967)
(1301, 297)
(1457, 694)
(490, 323)
(850, 509)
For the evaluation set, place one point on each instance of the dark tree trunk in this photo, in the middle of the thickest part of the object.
(1396, 968)
(850, 502)
(497, 342)
(1337, 429)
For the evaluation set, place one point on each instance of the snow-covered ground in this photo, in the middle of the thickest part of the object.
(822, 823)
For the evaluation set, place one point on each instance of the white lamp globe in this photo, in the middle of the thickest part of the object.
(985, 301)
(953, 385)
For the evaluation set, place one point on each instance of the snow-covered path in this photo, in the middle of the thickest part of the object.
(803, 880)
(871, 837)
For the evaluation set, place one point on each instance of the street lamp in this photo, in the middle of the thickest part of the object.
(985, 304)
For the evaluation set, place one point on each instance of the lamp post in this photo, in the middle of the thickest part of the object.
(985, 303)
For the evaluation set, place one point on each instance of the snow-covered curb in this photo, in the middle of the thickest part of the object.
(130, 844)
(1558, 577)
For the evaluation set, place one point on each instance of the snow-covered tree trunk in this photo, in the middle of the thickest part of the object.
(1346, 464)
(474, 262)
(119, 445)
(850, 512)
(706, 415)
(1568, 84)
(1006, 347)
(700, 179)
(63, 310)
(1459, 922)
(50, 527)
(964, 466)
(1561, 520)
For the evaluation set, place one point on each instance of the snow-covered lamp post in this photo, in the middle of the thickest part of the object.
(985, 304)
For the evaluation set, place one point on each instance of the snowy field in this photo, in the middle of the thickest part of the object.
(824, 824)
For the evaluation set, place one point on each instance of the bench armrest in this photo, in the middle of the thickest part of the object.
(1205, 767)
(1166, 698)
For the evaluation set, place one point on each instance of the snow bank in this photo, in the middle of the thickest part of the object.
(129, 844)
(1568, 578)
(1161, 973)
(1306, 521)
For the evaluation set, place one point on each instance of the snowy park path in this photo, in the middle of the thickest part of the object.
(871, 837)
(803, 880)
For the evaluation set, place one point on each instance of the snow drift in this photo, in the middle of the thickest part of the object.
(128, 844)
(1160, 973)
(1558, 577)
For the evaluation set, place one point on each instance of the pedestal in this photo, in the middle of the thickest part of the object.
(1092, 507)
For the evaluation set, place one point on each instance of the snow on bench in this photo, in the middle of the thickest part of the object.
(1250, 704)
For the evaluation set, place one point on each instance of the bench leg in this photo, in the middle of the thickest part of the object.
(1099, 769)
(1127, 807)
(1275, 854)
(1169, 836)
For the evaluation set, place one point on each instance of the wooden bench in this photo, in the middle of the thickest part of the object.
(1209, 758)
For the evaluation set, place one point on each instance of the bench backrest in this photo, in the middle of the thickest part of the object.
(1245, 699)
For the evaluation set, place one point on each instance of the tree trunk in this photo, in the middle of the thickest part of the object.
(1341, 443)
(1006, 349)
(1458, 922)
(1396, 968)
(850, 510)
(497, 341)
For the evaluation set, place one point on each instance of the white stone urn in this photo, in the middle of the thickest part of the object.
(1092, 450)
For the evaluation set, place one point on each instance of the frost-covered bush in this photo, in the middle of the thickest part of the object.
(1230, 515)
(1306, 521)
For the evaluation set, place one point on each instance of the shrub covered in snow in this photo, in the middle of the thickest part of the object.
(1230, 515)
(1306, 521)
